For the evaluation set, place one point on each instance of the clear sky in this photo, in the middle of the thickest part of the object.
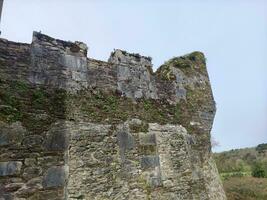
(231, 33)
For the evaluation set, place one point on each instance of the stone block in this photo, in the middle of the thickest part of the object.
(30, 161)
(10, 134)
(54, 177)
(125, 140)
(119, 56)
(31, 172)
(57, 138)
(149, 162)
(10, 168)
(33, 141)
(155, 181)
(147, 139)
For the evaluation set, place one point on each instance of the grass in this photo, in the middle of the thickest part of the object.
(227, 175)
(235, 168)
(245, 188)
(239, 159)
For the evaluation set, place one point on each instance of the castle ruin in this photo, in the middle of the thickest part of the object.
(72, 127)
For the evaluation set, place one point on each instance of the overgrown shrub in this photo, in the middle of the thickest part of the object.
(258, 170)
(261, 148)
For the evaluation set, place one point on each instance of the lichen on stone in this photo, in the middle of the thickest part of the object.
(76, 128)
(188, 64)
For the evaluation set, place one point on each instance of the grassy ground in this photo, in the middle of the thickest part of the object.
(245, 188)
(236, 170)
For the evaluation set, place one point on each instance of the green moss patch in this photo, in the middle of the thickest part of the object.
(136, 128)
(189, 64)
(38, 107)
(111, 108)
(35, 107)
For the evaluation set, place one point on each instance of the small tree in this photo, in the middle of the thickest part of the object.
(258, 170)
(261, 148)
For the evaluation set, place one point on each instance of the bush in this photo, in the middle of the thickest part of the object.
(258, 170)
(261, 148)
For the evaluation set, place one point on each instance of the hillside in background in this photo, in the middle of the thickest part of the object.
(244, 172)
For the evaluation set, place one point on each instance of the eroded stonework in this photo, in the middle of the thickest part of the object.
(72, 127)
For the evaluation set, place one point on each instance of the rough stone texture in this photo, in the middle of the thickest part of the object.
(55, 177)
(72, 127)
(10, 168)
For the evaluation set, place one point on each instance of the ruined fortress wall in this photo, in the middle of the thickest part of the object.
(72, 127)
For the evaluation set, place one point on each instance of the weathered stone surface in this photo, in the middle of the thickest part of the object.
(33, 141)
(57, 137)
(31, 172)
(149, 161)
(10, 134)
(30, 161)
(55, 177)
(142, 83)
(118, 56)
(147, 139)
(125, 140)
(73, 127)
(30, 189)
(170, 166)
(48, 53)
(10, 168)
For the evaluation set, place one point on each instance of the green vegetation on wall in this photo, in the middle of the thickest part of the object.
(35, 107)
(190, 64)
(99, 106)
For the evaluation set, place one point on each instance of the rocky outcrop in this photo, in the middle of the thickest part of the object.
(72, 127)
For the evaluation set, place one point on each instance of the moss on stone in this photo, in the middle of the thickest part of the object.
(9, 114)
(39, 98)
(35, 107)
(147, 150)
(165, 73)
(136, 128)
(112, 108)
(189, 64)
(10, 100)
(145, 186)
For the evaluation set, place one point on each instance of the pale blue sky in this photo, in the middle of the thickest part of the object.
(231, 33)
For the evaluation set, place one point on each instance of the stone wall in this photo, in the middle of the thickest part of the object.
(72, 127)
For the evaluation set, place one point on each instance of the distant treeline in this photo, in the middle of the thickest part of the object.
(247, 161)
(261, 148)
(244, 172)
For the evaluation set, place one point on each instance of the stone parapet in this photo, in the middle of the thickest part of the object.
(72, 127)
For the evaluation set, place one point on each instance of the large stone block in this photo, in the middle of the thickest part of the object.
(147, 139)
(125, 140)
(33, 141)
(149, 161)
(10, 168)
(55, 177)
(11, 133)
(57, 139)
